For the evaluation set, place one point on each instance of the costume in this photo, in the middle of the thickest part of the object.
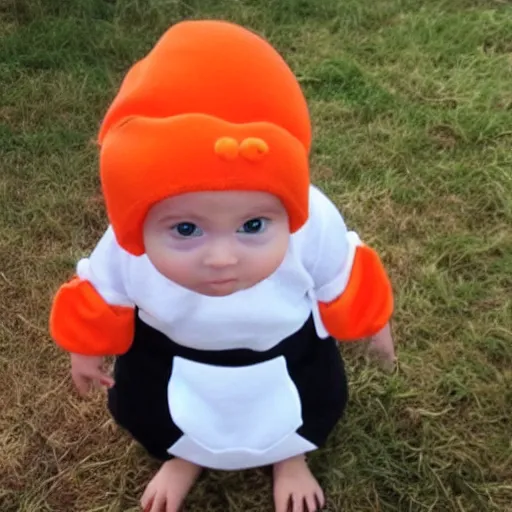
(250, 378)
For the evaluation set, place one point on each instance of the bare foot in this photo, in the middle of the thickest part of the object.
(169, 487)
(295, 488)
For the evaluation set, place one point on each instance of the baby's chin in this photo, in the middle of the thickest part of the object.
(221, 289)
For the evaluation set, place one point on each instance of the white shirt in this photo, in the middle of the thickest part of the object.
(316, 268)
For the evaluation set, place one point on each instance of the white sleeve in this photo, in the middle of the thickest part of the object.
(328, 248)
(105, 268)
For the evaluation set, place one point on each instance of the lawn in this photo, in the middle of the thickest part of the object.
(412, 108)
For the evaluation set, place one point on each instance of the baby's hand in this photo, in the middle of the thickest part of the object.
(381, 346)
(87, 371)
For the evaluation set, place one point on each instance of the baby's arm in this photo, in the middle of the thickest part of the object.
(353, 290)
(91, 314)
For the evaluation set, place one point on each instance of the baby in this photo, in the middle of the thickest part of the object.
(224, 276)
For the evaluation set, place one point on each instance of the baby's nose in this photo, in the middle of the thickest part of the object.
(220, 255)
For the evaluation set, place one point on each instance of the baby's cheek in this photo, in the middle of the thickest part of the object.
(173, 265)
(179, 268)
(266, 260)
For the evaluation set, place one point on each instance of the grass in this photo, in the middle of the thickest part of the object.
(412, 110)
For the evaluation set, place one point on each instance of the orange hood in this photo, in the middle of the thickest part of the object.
(211, 107)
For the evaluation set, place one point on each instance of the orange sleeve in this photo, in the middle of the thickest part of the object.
(83, 323)
(366, 304)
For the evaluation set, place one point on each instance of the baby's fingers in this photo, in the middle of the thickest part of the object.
(82, 383)
(282, 502)
(105, 380)
(384, 358)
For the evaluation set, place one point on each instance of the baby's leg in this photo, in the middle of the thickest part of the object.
(295, 488)
(170, 486)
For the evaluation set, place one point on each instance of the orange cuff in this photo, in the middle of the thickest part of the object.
(366, 305)
(83, 323)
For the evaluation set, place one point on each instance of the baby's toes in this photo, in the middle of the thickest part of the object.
(319, 498)
(310, 504)
(147, 504)
(314, 500)
(152, 502)
(147, 499)
(297, 503)
(282, 500)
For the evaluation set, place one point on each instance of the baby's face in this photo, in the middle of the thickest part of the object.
(217, 243)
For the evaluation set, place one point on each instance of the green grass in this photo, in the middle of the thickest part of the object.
(412, 109)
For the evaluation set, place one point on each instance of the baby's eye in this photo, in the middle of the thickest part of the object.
(254, 226)
(187, 229)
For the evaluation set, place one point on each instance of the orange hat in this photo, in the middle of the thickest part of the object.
(211, 107)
